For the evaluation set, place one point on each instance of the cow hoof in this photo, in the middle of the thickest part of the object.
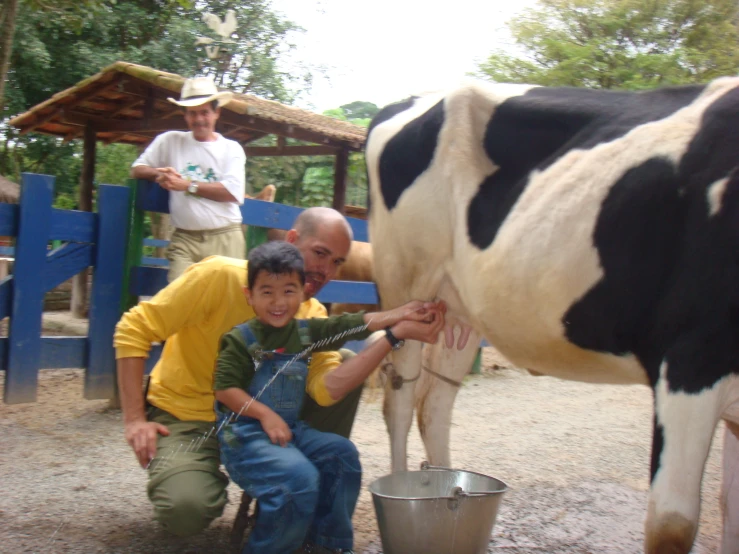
(671, 533)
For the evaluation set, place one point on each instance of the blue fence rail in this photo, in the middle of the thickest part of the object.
(101, 241)
(96, 240)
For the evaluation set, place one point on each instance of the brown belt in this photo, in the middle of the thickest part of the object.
(201, 234)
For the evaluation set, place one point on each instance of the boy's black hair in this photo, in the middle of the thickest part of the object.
(276, 257)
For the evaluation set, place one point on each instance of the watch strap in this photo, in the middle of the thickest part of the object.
(394, 341)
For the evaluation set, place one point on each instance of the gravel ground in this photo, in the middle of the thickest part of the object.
(574, 455)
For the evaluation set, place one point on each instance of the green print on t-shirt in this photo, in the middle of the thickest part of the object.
(194, 172)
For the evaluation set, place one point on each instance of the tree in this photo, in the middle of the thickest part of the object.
(360, 110)
(72, 14)
(250, 62)
(626, 44)
(7, 24)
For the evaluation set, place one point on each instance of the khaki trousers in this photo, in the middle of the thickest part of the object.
(189, 247)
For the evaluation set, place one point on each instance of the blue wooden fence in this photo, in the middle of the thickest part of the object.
(99, 240)
(89, 239)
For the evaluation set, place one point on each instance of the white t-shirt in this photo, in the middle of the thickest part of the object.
(222, 161)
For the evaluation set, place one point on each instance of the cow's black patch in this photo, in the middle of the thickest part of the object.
(408, 153)
(535, 129)
(388, 112)
(670, 290)
(638, 234)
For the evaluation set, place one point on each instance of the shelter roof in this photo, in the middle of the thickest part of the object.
(127, 103)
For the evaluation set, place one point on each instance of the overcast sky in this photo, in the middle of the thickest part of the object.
(382, 51)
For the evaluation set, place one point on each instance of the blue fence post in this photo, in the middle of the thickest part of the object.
(24, 348)
(107, 290)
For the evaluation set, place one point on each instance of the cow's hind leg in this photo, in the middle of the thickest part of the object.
(446, 368)
(684, 423)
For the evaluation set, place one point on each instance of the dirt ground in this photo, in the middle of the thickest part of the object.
(575, 457)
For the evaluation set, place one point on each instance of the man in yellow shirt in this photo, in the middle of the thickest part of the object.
(166, 429)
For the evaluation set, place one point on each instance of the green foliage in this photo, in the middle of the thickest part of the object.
(58, 43)
(49, 156)
(627, 44)
(318, 183)
(113, 163)
(64, 201)
(250, 65)
(285, 174)
(318, 179)
(360, 110)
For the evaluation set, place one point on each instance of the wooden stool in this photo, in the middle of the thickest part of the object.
(242, 523)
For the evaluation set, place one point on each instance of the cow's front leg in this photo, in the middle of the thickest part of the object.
(683, 428)
(445, 368)
(398, 404)
(730, 490)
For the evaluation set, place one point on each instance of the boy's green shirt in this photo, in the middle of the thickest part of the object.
(235, 367)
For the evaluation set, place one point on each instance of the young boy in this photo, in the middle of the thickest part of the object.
(307, 482)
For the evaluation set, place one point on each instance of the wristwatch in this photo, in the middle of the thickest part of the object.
(192, 188)
(394, 341)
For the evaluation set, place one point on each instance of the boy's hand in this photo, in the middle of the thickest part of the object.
(276, 428)
(424, 330)
(415, 310)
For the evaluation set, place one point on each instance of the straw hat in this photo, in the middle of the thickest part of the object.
(201, 90)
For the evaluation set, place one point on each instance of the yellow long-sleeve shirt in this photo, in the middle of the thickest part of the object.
(192, 314)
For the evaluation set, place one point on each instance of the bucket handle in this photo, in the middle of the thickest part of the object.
(457, 492)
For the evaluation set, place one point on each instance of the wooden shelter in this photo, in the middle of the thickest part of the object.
(127, 103)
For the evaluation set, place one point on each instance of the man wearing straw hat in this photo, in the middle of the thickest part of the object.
(204, 174)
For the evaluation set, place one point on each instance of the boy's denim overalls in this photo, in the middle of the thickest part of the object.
(307, 489)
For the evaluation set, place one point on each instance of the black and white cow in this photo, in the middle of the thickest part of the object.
(588, 235)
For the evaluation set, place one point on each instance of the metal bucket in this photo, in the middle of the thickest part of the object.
(436, 510)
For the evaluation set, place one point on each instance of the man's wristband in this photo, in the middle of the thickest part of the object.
(395, 342)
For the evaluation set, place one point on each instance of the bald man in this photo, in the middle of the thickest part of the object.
(165, 426)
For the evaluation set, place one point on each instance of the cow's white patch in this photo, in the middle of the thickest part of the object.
(716, 196)
(688, 422)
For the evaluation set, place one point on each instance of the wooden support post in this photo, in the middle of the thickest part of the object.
(340, 166)
(79, 282)
(107, 290)
(24, 348)
(160, 229)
